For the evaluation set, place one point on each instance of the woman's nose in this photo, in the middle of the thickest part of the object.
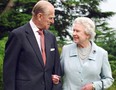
(74, 33)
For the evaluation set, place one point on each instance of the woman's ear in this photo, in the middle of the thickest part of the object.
(88, 36)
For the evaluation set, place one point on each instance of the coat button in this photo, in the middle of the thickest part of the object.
(81, 80)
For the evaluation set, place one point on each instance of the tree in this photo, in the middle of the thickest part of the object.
(68, 10)
(16, 13)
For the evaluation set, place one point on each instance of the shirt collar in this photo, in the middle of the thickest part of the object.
(33, 26)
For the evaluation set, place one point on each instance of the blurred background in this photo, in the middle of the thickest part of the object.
(109, 5)
(14, 13)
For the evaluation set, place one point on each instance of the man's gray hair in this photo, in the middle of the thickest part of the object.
(41, 6)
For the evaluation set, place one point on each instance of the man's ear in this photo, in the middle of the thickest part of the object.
(39, 16)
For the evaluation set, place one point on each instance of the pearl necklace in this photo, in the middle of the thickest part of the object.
(84, 52)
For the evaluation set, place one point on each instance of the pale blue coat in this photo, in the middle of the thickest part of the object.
(95, 69)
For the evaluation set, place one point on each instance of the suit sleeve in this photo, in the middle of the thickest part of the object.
(62, 61)
(12, 50)
(57, 67)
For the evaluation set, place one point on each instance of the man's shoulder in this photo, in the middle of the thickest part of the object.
(21, 27)
(19, 31)
(48, 32)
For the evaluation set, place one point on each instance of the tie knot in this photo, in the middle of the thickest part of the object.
(40, 32)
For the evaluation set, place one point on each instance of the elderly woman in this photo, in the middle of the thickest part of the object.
(85, 65)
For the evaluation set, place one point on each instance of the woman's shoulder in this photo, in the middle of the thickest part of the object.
(71, 45)
(102, 49)
(99, 48)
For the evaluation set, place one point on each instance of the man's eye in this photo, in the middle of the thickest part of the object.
(51, 18)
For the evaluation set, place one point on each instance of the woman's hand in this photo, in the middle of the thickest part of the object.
(88, 87)
(55, 79)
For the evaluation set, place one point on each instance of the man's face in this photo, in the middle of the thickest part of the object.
(47, 19)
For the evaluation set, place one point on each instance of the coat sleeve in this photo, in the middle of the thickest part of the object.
(106, 74)
(12, 50)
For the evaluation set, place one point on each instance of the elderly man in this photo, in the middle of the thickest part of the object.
(31, 53)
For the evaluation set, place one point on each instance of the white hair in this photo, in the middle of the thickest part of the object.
(88, 24)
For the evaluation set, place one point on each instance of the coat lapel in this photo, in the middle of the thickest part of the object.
(31, 37)
(93, 52)
(73, 50)
(92, 56)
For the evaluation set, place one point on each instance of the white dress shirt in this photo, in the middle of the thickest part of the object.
(35, 31)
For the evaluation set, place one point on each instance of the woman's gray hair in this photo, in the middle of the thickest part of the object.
(88, 24)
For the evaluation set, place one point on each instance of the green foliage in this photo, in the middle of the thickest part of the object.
(13, 19)
(16, 15)
(20, 13)
(2, 46)
(68, 10)
(113, 67)
(113, 87)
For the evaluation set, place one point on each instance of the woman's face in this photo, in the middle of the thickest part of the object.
(79, 35)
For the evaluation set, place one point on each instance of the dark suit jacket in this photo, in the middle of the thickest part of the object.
(23, 67)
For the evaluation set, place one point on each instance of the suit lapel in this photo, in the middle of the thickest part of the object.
(31, 37)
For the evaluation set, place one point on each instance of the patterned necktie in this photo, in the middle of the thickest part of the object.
(42, 46)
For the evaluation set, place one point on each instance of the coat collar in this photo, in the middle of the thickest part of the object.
(92, 55)
(73, 50)
(93, 52)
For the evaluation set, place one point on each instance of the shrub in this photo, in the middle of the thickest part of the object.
(2, 46)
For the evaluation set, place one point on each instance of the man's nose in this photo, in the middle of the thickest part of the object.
(52, 21)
